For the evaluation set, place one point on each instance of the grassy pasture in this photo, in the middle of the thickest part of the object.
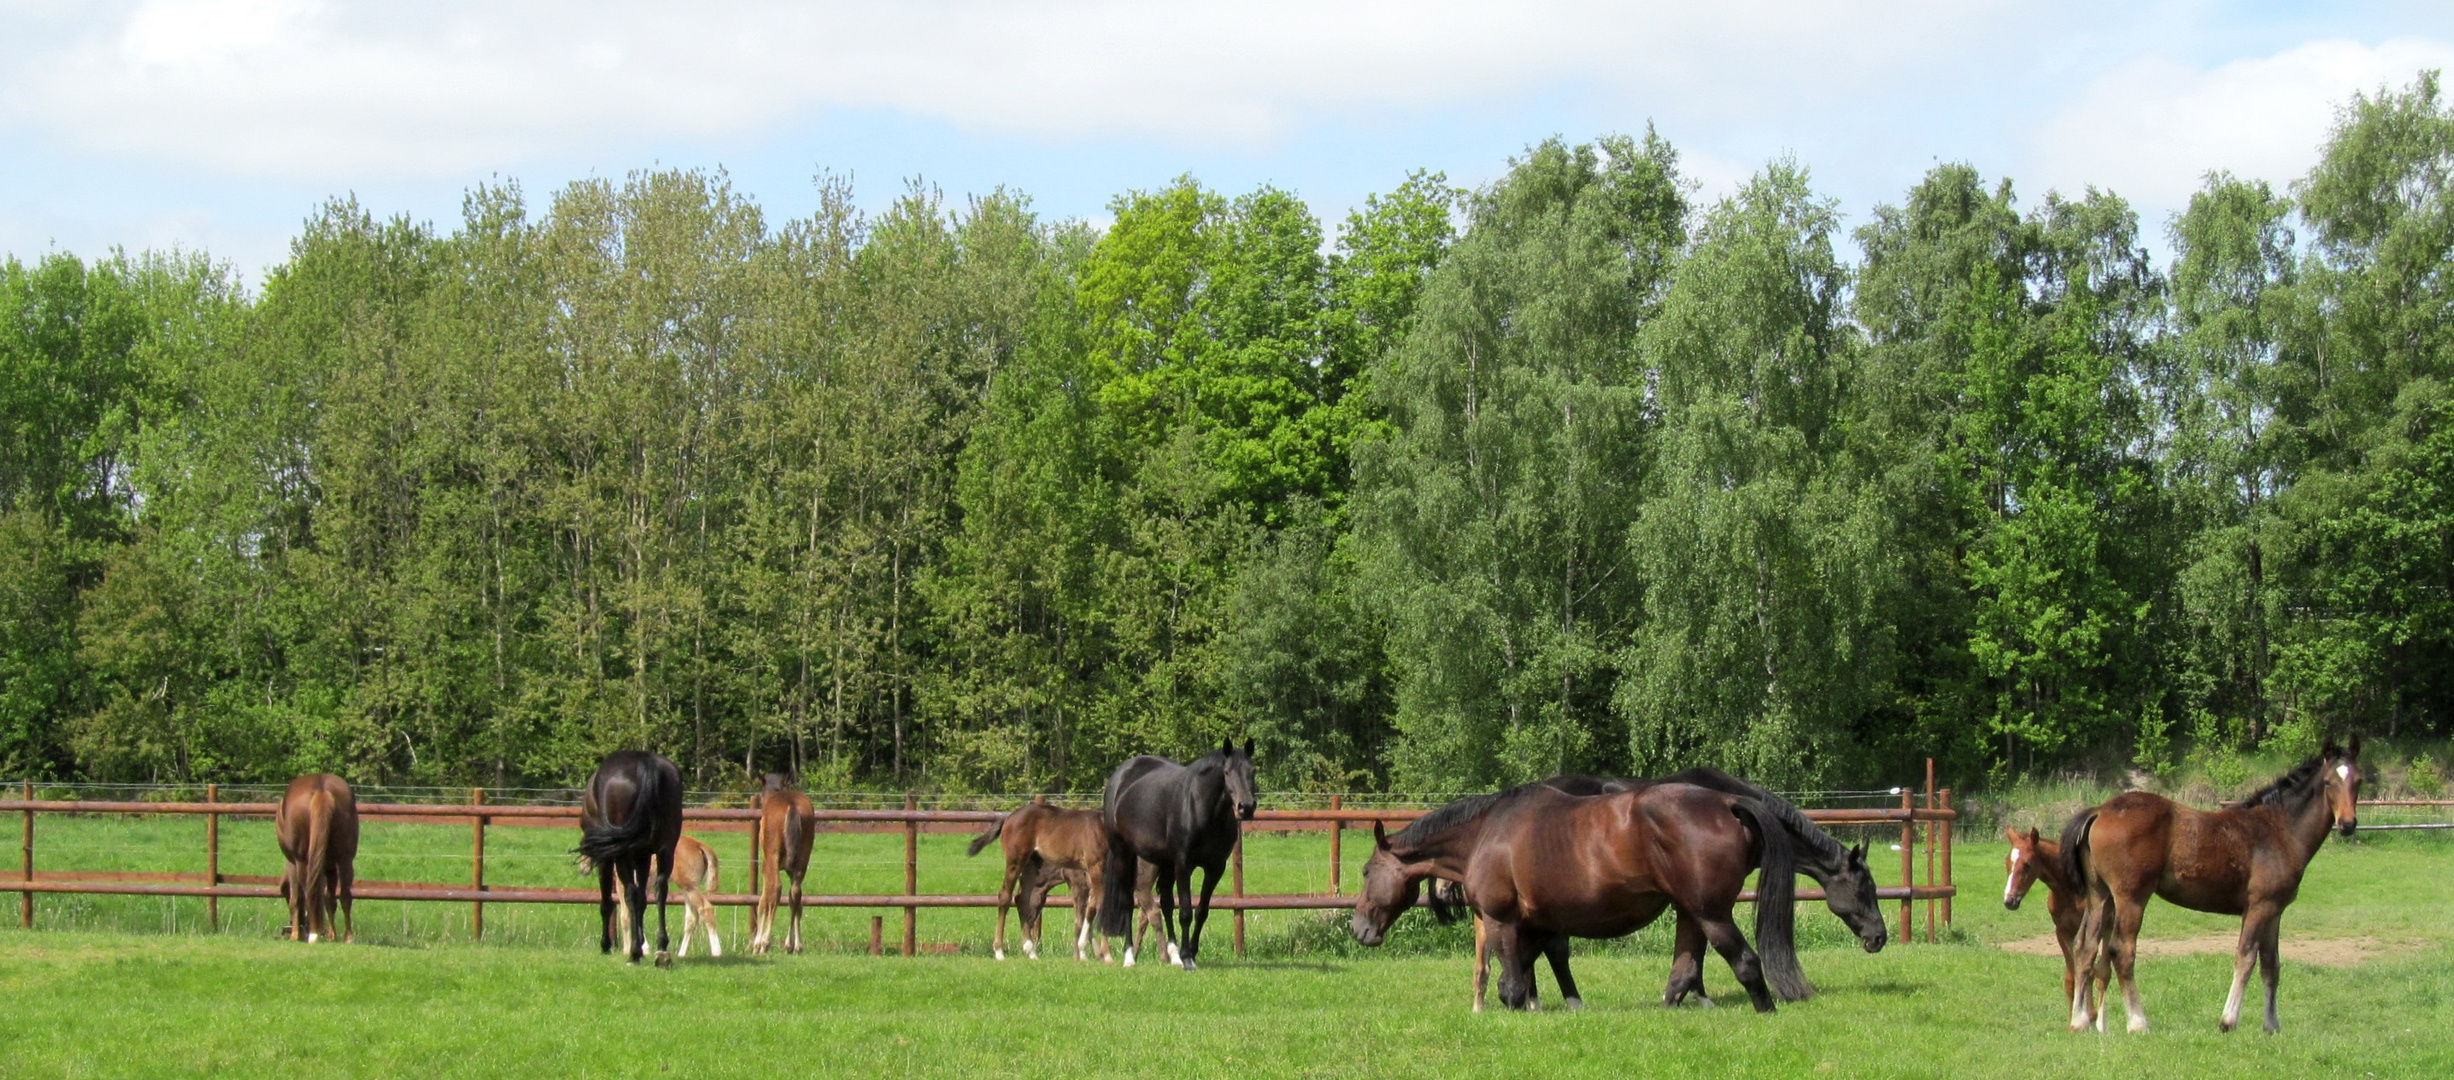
(100, 989)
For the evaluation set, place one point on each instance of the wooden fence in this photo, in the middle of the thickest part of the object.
(1926, 828)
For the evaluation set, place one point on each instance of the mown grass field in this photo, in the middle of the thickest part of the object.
(100, 989)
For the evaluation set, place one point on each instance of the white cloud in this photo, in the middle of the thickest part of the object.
(308, 90)
(2152, 128)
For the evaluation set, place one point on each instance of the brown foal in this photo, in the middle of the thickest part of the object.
(2034, 859)
(786, 828)
(694, 877)
(2246, 860)
(317, 826)
(1046, 846)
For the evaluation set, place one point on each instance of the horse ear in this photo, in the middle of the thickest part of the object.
(2033, 838)
(1380, 836)
(2354, 752)
(1227, 746)
(2011, 834)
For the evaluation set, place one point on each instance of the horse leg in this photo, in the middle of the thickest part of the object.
(1188, 916)
(349, 889)
(2244, 957)
(605, 907)
(2270, 958)
(792, 940)
(664, 888)
(1556, 951)
(1201, 915)
(1687, 964)
(1086, 908)
(1482, 958)
(1033, 907)
(2089, 955)
(1516, 967)
(634, 908)
(2126, 918)
(1005, 899)
(1732, 945)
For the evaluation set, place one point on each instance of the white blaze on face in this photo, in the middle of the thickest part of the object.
(2011, 883)
(2344, 771)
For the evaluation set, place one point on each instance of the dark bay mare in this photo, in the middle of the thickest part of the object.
(1848, 885)
(1540, 865)
(316, 825)
(1177, 817)
(2245, 860)
(630, 818)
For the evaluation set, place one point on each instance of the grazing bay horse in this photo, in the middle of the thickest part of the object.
(630, 819)
(1539, 865)
(1046, 846)
(2033, 859)
(2246, 860)
(786, 828)
(1178, 817)
(317, 826)
(1848, 883)
(694, 876)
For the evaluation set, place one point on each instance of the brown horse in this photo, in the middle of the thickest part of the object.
(694, 876)
(1046, 846)
(2033, 859)
(786, 828)
(2246, 860)
(317, 826)
(1539, 866)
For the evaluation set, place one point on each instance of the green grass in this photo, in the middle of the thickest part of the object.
(94, 999)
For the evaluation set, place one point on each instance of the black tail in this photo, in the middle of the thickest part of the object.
(1116, 887)
(1776, 905)
(635, 835)
(2075, 850)
(982, 840)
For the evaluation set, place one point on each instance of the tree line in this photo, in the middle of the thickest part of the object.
(1573, 471)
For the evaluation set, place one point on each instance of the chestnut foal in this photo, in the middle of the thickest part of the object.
(694, 877)
(786, 828)
(2245, 860)
(2034, 859)
(1045, 846)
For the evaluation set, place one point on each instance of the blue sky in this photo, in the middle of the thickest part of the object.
(220, 124)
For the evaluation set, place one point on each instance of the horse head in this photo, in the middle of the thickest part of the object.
(2341, 773)
(2021, 865)
(1388, 890)
(1238, 771)
(1850, 893)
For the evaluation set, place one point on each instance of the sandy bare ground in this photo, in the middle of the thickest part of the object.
(2331, 952)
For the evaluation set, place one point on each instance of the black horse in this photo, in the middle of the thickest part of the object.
(1849, 886)
(630, 815)
(1176, 817)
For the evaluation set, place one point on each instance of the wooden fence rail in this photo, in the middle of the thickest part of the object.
(1929, 824)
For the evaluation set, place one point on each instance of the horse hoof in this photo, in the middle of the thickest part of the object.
(1189, 965)
(1128, 957)
(1000, 954)
(1573, 1004)
(664, 959)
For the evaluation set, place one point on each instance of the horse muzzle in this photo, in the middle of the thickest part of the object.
(2348, 827)
(2011, 903)
(1365, 933)
(1244, 811)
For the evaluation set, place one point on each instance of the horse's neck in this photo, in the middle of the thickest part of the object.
(1444, 855)
(2048, 866)
(2308, 822)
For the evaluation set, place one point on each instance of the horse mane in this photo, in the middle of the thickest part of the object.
(2293, 784)
(1450, 816)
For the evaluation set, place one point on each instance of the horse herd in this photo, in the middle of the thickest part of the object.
(1534, 866)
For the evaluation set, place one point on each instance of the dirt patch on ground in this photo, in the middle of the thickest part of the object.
(2330, 952)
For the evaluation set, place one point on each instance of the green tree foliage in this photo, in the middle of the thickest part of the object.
(1559, 473)
(1494, 511)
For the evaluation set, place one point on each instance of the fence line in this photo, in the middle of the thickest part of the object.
(1928, 826)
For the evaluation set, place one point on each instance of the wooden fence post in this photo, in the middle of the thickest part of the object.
(1239, 887)
(1929, 842)
(877, 935)
(1337, 831)
(911, 874)
(25, 905)
(213, 860)
(758, 837)
(1908, 864)
(477, 865)
(1947, 824)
